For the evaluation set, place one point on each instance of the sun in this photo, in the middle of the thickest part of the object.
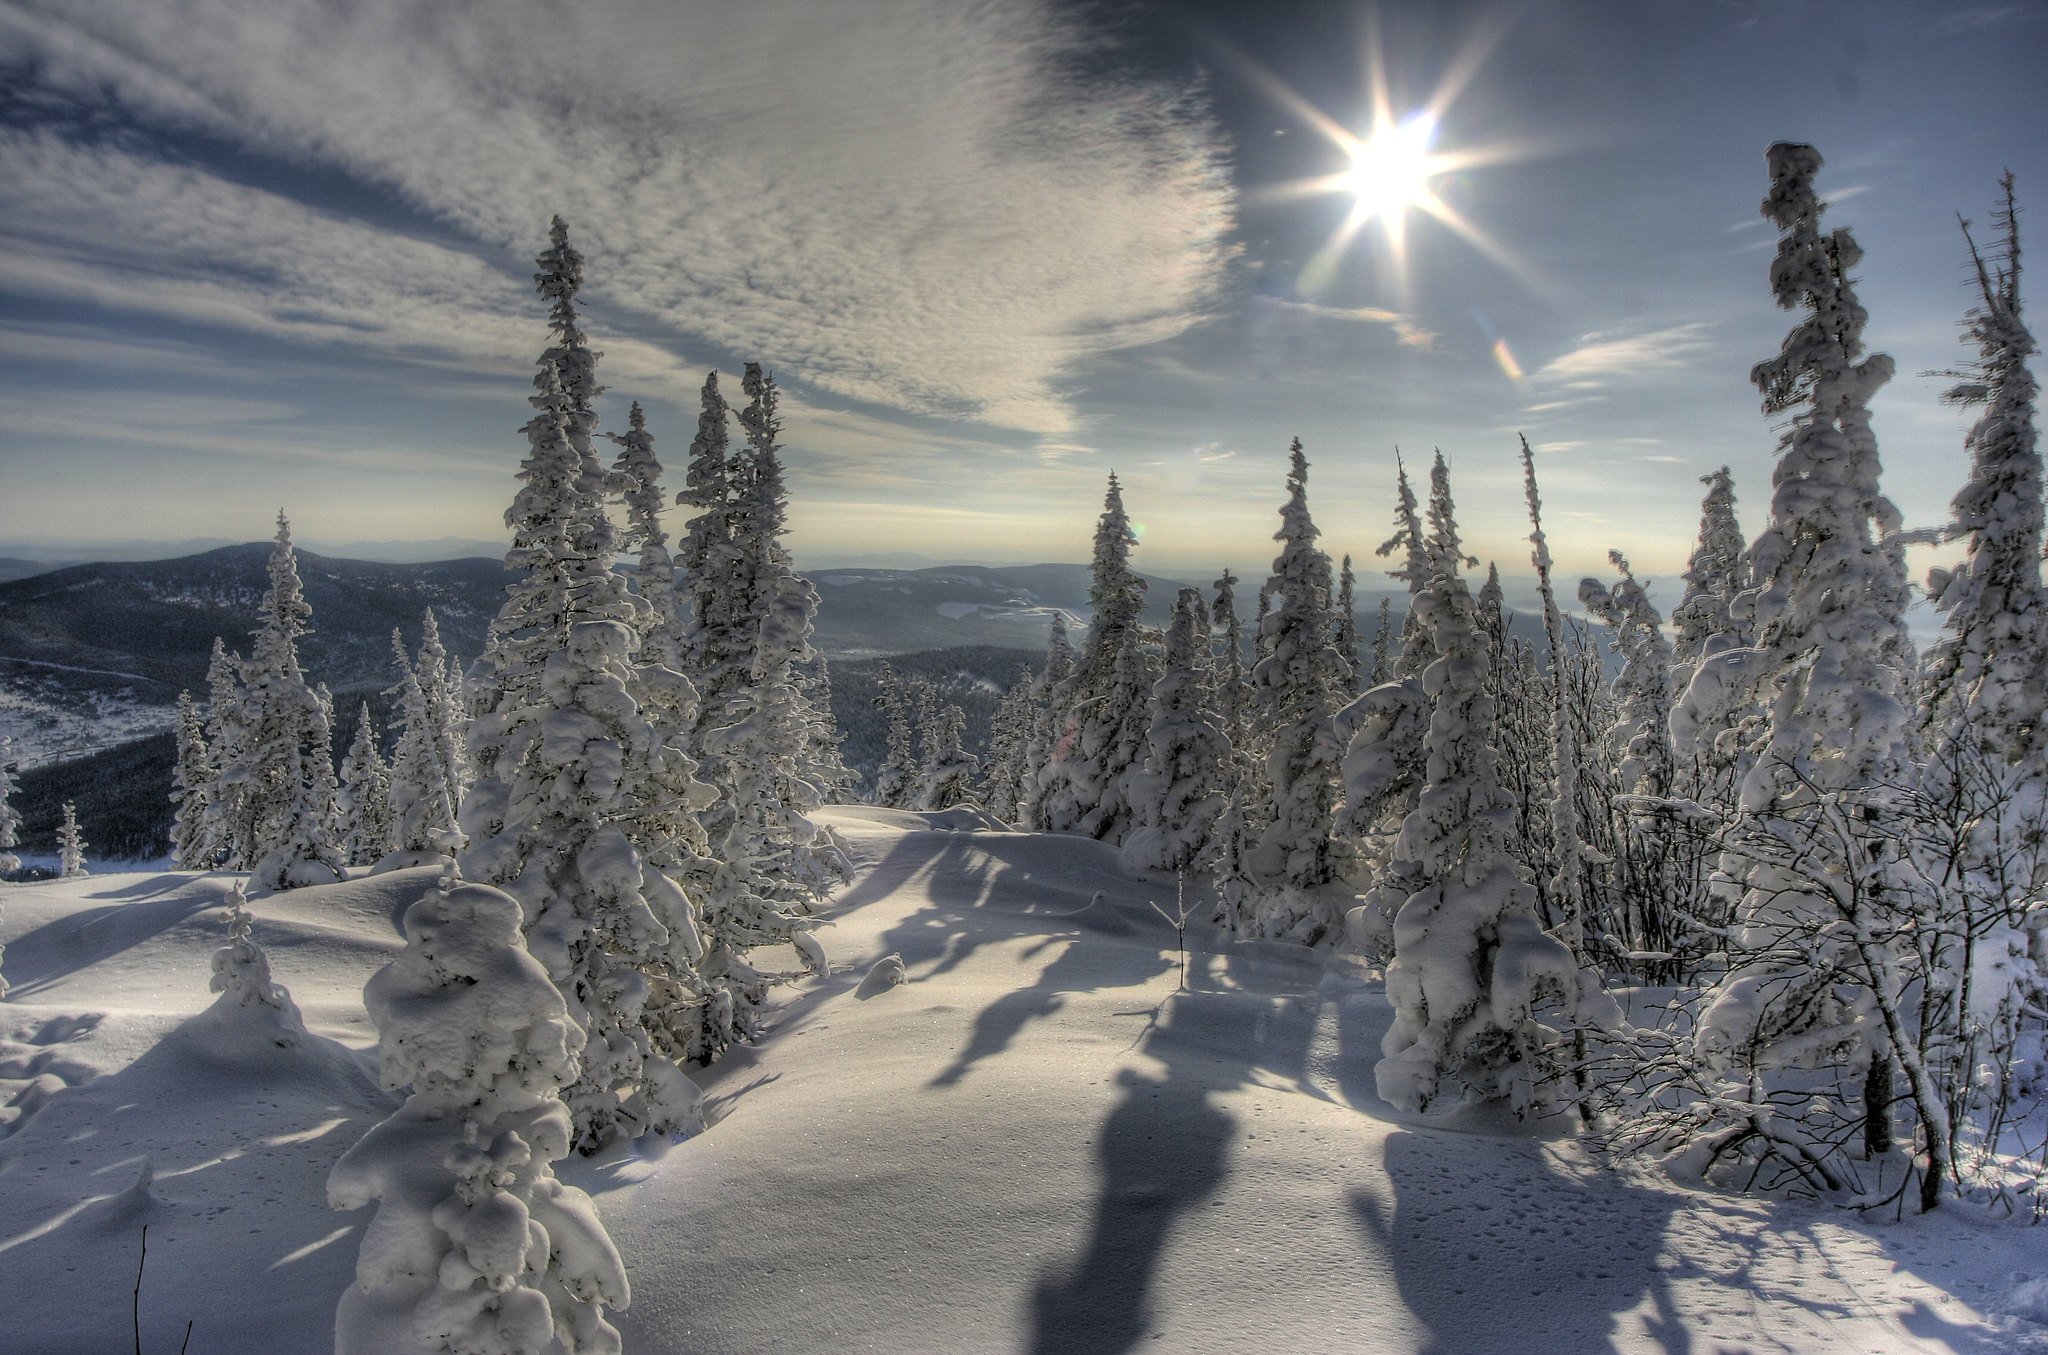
(1391, 169)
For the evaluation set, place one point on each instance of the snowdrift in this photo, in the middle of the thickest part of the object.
(1033, 1142)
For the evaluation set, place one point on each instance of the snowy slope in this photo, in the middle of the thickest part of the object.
(1035, 1143)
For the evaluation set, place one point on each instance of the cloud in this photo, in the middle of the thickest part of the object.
(930, 210)
(1601, 360)
(1404, 326)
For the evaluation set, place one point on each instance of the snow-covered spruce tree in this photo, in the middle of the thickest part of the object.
(946, 778)
(446, 706)
(898, 772)
(363, 804)
(283, 759)
(636, 479)
(192, 778)
(1653, 886)
(710, 638)
(1716, 717)
(1298, 684)
(1002, 785)
(70, 845)
(1084, 788)
(1184, 783)
(227, 827)
(1983, 678)
(1523, 699)
(241, 975)
(1413, 570)
(1474, 978)
(1048, 725)
(823, 760)
(423, 802)
(559, 742)
(475, 1246)
(1383, 731)
(1344, 632)
(1829, 637)
(1714, 578)
(1568, 887)
(1982, 788)
(10, 817)
(1232, 692)
(1382, 667)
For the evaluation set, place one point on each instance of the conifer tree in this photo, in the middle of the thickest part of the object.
(1474, 974)
(899, 759)
(947, 775)
(710, 640)
(1568, 886)
(283, 759)
(10, 817)
(192, 780)
(70, 845)
(422, 800)
(1713, 580)
(1002, 790)
(1412, 571)
(1383, 645)
(475, 1246)
(1049, 725)
(363, 804)
(1084, 787)
(228, 826)
(1298, 682)
(823, 762)
(1983, 678)
(636, 478)
(1232, 694)
(444, 706)
(1344, 634)
(559, 743)
(1184, 783)
(1829, 632)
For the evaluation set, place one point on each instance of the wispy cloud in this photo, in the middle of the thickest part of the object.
(1405, 327)
(928, 210)
(1603, 359)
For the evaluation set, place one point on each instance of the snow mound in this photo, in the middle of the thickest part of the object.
(887, 973)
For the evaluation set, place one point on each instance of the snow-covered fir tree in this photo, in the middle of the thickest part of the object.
(636, 479)
(1002, 786)
(1298, 682)
(362, 805)
(559, 742)
(423, 802)
(281, 760)
(1231, 691)
(1085, 785)
(1049, 724)
(1344, 632)
(192, 780)
(70, 844)
(1413, 569)
(10, 817)
(1983, 678)
(241, 973)
(711, 639)
(227, 829)
(1828, 612)
(946, 776)
(1382, 666)
(1568, 887)
(898, 772)
(446, 706)
(1654, 888)
(1714, 578)
(1475, 980)
(1184, 784)
(475, 1246)
(823, 760)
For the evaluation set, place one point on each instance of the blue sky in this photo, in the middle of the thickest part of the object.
(264, 252)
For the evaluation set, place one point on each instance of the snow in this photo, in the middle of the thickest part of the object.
(1034, 1142)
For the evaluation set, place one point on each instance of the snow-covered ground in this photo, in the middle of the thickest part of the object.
(1035, 1143)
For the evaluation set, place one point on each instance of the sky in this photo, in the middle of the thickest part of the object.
(264, 253)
